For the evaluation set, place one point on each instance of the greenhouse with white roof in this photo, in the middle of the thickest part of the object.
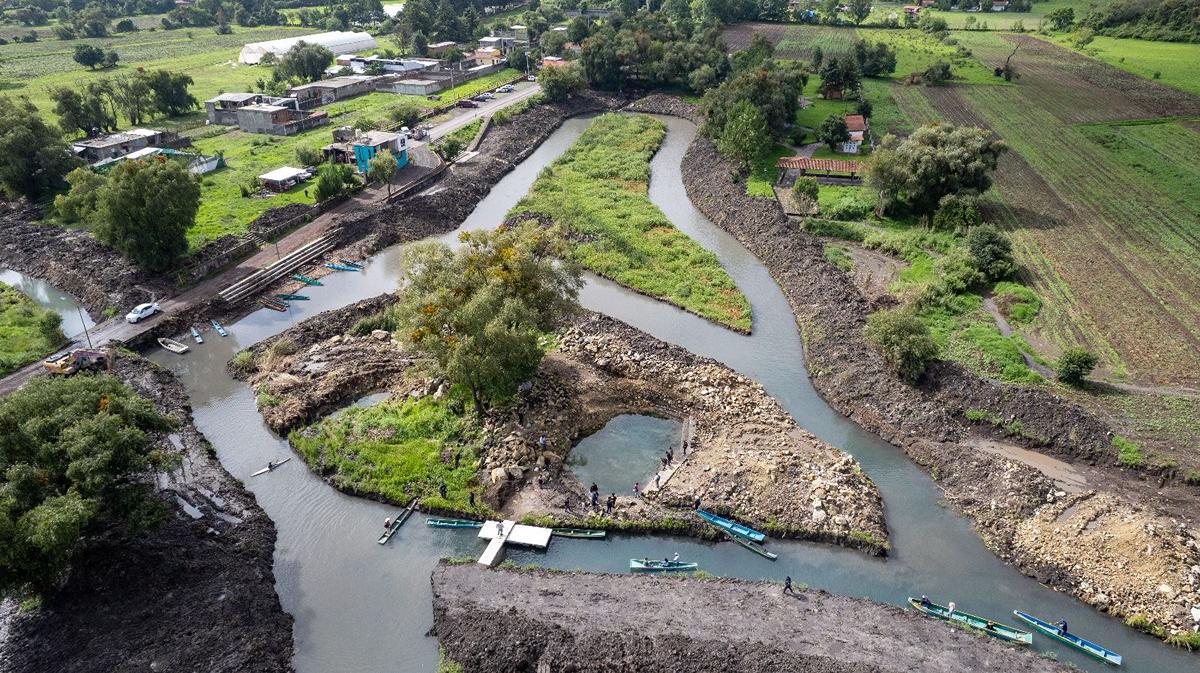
(338, 41)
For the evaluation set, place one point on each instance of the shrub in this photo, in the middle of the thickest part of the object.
(957, 212)
(904, 340)
(1017, 302)
(846, 203)
(1129, 453)
(1192, 478)
(308, 156)
(806, 187)
(1075, 365)
(837, 256)
(992, 252)
(956, 271)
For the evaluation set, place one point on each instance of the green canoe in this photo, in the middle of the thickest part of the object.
(646, 565)
(583, 533)
(995, 629)
(453, 523)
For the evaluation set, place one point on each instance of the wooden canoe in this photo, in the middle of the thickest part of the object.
(220, 330)
(172, 345)
(1087, 647)
(994, 629)
(274, 304)
(752, 546)
(196, 335)
(306, 280)
(271, 467)
(400, 519)
(581, 533)
(644, 565)
(731, 526)
(453, 523)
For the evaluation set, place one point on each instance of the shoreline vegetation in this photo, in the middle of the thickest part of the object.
(598, 191)
(27, 331)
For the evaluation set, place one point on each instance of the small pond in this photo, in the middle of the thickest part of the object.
(626, 450)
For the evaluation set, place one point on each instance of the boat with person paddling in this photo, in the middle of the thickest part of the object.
(650, 565)
(391, 526)
(271, 465)
(1066, 637)
(1009, 634)
(731, 526)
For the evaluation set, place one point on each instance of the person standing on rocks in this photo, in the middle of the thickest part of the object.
(787, 585)
(657, 477)
(696, 505)
(637, 489)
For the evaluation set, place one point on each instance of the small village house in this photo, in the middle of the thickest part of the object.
(326, 91)
(115, 145)
(439, 49)
(282, 118)
(858, 128)
(357, 148)
(223, 108)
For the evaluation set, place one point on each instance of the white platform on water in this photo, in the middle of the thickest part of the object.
(505, 532)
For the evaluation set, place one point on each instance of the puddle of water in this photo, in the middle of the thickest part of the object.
(1064, 475)
(626, 450)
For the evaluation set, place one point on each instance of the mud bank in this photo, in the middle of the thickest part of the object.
(747, 458)
(196, 594)
(520, 620)
(929, 422)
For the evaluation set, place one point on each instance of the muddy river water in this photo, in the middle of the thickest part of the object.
(364, 608)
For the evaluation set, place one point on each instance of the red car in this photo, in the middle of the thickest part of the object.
(467, 103)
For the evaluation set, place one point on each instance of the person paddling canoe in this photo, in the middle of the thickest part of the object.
(1061, 625)
(387, 523)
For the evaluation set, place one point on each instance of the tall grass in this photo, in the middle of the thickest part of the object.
(27, 331)
(598, 190)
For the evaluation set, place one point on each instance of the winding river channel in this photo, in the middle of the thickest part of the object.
(364, 608)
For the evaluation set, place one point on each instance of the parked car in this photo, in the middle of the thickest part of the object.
(142, 311)
(486, 95)
(531, 78)
(507, 88)
(467, 103)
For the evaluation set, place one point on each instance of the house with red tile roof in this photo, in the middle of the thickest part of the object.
(858, 128)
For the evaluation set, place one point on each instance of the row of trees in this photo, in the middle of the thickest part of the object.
(93, 107)
(652, 50)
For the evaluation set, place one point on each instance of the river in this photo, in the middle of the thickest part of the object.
(74, 318)
(364, 608)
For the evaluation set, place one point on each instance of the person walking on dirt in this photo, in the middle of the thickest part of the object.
(656, 480)
(670, 456)
(685, 447)
(787, 585)
(696, 505)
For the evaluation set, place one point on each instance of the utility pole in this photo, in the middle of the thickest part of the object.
(83, 321)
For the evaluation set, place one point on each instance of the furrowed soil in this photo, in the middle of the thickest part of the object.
(525, 620)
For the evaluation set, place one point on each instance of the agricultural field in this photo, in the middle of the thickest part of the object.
(598, 191)
(1171, 63)
(1009, 20)
(1102, 211)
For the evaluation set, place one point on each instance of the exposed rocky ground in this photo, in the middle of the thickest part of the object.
(747, 457)
(520, 620)
(929, 423)
(197, 594)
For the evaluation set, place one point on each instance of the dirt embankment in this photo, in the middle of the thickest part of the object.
(747, 458)
(519, 620)
(196, 594)
(929, 423)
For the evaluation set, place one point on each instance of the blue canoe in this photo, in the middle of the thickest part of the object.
(735, 528)
(196, 335)
(217, 326)
(352, 263)
(306, 280)
(1087, 647)
(339, 267)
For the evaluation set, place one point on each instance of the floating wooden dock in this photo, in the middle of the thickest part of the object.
(510, 532)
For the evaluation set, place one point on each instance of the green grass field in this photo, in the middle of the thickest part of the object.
(1174, 62)
(763, 173)
(916, 51)
(27, 331)
(398, 450)
(1008, 20)
(598, 190)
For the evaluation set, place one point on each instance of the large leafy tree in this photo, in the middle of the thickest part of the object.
(745, 136)
(382, 168)
(69, 451)
(559, 83)
(480, 310)
(833, 131)
(85, 108)
(773, 88)
(33, 156)
(146, 210)
(936, 160)
(132, 95)
(170, 89)
(306, 61)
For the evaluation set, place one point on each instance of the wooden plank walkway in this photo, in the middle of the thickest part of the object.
(510, 532)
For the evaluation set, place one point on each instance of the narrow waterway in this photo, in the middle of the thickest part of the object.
(74, 318)
(362, 607)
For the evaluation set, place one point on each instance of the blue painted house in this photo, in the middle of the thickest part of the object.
(358, 148)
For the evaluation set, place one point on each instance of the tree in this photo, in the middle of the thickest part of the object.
(838, 73)
(406, 113)
(1075, 365)
(553, 42)
(877, 60)
(170, 89)
(91, 21)
(937, 74)
(306, 61)
(1061, 19)
(601, 65)
(773, 89)
(382, 168)
(992, 251)
(833, 131)
(957, 212)
(860, 10)
(578, 30)
(934, 161)
(132, 95)
(146, 210)
(745, 137)
(33, 156)
(333, 180)
(806, 188)
(480, 311)
(559, 83)
(70, 448)
(904, 340)
(125, 26)
(446, 21)
(84, 108)
(420, 43)
(83, 200)
(87, 55)
(449, 148)
(308, 156)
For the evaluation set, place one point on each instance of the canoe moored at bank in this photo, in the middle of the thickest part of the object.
(581, 533)
(453, 523)
(995, 629)
(731, 526)
(1068, 638)
(173, 345)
